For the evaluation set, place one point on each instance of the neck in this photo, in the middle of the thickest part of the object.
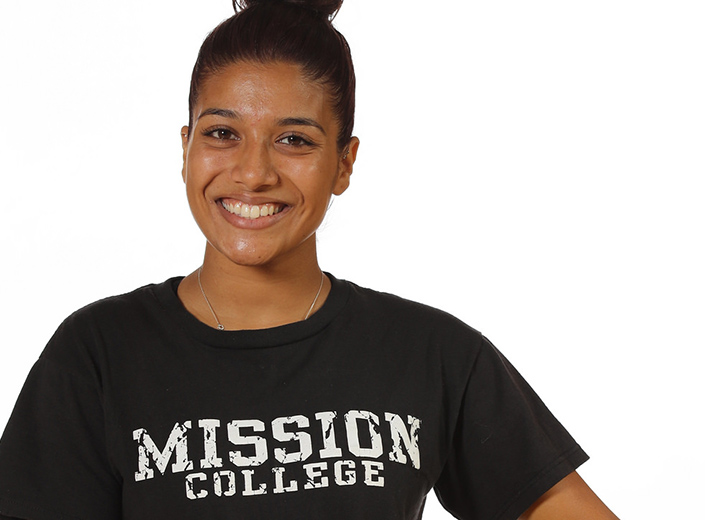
(253, 297)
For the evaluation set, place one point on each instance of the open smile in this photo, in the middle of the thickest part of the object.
(252, 211)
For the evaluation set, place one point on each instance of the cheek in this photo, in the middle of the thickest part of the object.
(316, 180)
(202, 165)
(212, 162)
(199, 174)
(316, 195)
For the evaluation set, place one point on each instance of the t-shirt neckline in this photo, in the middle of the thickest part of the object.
(337, 298)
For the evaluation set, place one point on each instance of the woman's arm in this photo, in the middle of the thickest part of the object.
(570, 499)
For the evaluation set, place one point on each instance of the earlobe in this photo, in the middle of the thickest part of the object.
(345, 168)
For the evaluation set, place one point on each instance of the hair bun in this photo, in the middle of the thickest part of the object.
(325, 8)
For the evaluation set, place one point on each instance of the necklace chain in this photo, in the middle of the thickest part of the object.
(318, 293)
(215, 316)
(220, 325)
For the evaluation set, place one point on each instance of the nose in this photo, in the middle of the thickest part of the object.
(254, 168)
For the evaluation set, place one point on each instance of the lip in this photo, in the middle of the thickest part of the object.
(249, 223)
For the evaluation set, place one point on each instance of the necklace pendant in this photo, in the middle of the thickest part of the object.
(220, 327)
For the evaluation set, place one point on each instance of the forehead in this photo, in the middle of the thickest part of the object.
(258, 90)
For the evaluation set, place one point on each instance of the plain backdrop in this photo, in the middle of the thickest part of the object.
(535, 168)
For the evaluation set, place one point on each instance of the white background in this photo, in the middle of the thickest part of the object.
(535, 168)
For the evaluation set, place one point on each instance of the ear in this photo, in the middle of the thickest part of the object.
(184, 147)
(345, 166)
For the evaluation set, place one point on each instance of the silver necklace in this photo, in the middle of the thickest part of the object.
(220, 325)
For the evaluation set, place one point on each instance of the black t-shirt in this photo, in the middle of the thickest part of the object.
(136, 410)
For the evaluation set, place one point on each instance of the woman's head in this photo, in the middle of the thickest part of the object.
(290, 31)
(262, 162)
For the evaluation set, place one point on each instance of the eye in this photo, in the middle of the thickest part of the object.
(222, 134)
(295, 140)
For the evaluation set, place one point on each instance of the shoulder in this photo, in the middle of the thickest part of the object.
(413, 321)
(84, 336)
(117, 310)
(146, 296)
(393, 306)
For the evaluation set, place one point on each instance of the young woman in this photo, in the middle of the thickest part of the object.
(259, 386)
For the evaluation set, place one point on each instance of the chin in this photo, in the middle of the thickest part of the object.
(248, 258)
(247, 254)
(261, 251)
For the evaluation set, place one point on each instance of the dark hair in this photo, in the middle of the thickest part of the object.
(293, 31)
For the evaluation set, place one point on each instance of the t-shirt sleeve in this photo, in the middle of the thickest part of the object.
(508, 449)
(53, 460)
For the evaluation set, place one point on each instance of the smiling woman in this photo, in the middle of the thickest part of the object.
(259, 386)
(263, 141)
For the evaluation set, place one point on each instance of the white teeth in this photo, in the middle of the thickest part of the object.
(251, 212)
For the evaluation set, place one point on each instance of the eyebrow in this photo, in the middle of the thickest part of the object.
(300, 121)
(287, 121)
(223, 112)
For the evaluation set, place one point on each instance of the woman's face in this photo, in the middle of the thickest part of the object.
(261, 162)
